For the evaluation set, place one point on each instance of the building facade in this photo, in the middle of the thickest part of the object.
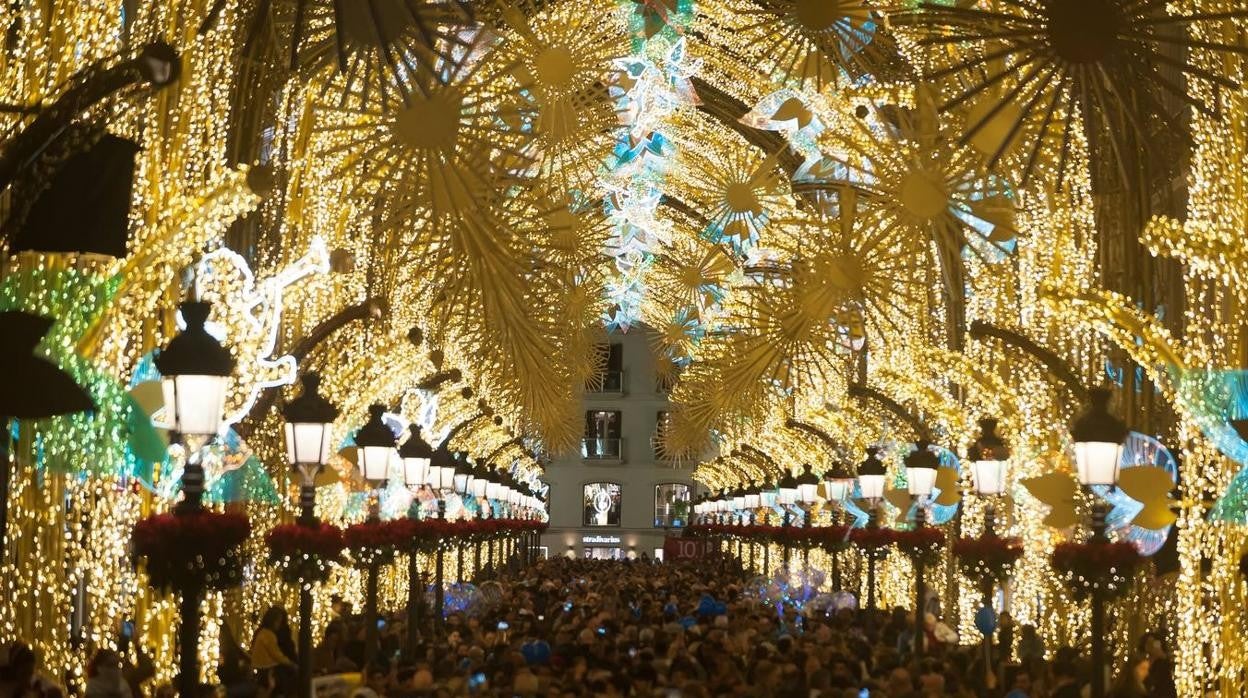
(618, 497)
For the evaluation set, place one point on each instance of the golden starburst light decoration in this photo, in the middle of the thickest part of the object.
(567, 56)
(382, 49)
(820, 42)
(1028, 68)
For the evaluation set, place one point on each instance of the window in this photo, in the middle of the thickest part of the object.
(602, 504)
(602, 435)
(611, 378)
(671, 505)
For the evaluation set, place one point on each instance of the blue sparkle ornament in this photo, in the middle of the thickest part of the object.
(986, 620)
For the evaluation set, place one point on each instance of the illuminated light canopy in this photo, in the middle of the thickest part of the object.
(195, 372)
(1099, 438)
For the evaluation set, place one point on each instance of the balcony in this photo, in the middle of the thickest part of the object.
(606, 384)
(668, 519)
(605, 451)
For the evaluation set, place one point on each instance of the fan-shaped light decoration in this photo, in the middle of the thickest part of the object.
(739, 192)
(821, 42)
(899, 498)
(869, 273)
(1057, 491)
(35, 387)
(567, 56)
(922, 182)
(444, 153)
(1141, 503)
(1034, 68)
(382, 49)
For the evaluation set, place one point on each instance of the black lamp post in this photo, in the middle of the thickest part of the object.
(838, 483)
(375, 444)
(808, 495)
(195, 372)
(921, 465)
(416, 454)
(309, 423)
(988, 456)
(788, 497)
(1099, 438)
(442, 479)
(871, 474)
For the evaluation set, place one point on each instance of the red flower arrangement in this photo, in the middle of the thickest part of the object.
(375, 542)
(1096, 565)
(199, 549)
(873, 542)
(834, 538)
(988, 557)
(305, 554)
(922, 544)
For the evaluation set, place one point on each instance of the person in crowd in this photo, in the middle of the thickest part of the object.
(267, 653)
(104, 676)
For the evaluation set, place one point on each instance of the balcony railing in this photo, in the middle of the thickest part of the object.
(668, 519)
(596, 449)
(606, 383)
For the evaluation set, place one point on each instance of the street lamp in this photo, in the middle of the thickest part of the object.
(788, 492)
(375, 444)
(416, 453)
(871, 474)
(838, 481)
(1099, 438)
(808, 487)
(195, 375)
(195, 372)
(921, 465)
(309, 424)
(753, 498)
(989, 455)
(463, 476)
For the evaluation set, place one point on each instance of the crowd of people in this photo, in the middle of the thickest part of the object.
(568, 628)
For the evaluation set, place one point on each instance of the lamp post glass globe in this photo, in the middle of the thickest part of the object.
(807, 487)
(871, 475)
(195, 372)
(921, 467)
(1098, 437)
(375, 447)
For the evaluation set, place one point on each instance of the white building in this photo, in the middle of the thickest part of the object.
(615, 498)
